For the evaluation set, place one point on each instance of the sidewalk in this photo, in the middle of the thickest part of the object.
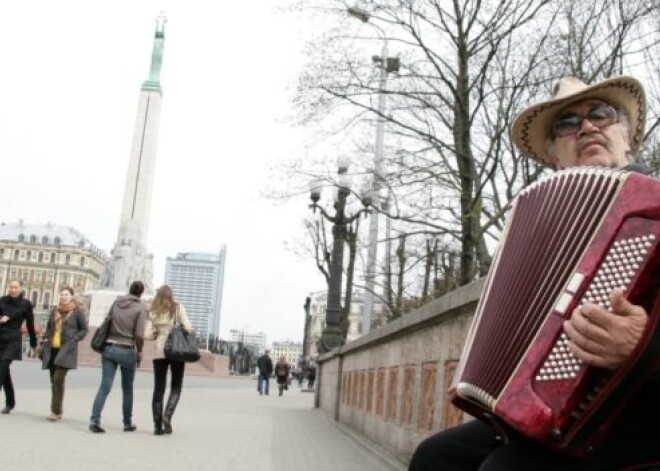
(221, 423)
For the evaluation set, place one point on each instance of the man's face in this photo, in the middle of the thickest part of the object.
(14, 289)
(590, 145)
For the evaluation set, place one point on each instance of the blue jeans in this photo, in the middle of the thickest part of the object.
(263, 384)
(126, 360)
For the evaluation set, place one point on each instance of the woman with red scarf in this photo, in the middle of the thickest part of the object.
(67, 326)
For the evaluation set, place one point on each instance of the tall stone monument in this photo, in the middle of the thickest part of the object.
(129, 258)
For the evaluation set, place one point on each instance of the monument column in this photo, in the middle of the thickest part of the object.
(130, 259)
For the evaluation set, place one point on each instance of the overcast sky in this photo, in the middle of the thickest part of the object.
(69, 88)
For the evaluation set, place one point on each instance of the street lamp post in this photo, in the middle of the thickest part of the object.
(332, 335)
(385, 65)
(306, 307)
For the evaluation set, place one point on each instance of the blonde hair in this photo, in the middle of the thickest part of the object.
(163, 302)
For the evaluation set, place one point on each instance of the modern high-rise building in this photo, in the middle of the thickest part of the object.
(197, 280)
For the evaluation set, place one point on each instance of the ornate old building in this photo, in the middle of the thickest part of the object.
(46, 257)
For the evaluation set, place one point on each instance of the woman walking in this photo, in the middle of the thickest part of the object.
(282, 370)
(14, 310)
(163, 315)
(67, 326)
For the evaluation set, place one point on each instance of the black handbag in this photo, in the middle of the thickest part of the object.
(101, 335)
(181, 345)
(43, 352)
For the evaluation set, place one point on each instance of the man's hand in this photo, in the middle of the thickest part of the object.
(4, 319)
(606, 339)
(139, 358)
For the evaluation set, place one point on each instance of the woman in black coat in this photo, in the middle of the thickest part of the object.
(14, 310)
(67, 325)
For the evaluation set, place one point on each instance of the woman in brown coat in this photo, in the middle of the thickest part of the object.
(282, 369)
(67, 325)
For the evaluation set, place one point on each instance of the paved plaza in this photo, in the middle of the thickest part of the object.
(220, 424)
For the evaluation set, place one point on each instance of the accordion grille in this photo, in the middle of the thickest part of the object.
(550, 228)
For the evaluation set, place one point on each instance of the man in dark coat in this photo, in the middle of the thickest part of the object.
(599, 125)
(265, 365)
(14, 310)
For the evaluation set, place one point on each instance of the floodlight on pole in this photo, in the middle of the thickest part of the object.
(385, 66)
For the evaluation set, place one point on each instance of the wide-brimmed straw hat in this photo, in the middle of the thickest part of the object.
(531, 129)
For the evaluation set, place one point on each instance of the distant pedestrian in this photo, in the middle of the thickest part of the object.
(124, 350)
(163, 313)
(14, 310)
(300, 371)
(265, 366)
(282, 370)
(67, 325)
(311, 375)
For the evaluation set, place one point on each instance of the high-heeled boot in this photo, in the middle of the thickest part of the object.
(157, 410)
(172, 401)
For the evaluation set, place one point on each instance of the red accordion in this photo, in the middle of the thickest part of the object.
(571, 238)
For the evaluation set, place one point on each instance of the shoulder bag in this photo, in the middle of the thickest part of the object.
(181, 345)
(101, 335)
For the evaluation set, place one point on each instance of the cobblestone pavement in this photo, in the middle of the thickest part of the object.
(220, 424)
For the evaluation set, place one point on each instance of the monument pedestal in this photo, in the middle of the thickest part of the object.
(98, 304)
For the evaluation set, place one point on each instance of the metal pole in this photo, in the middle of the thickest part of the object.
(388, 253)
(372, 252)
(306, 307)
(332, 335)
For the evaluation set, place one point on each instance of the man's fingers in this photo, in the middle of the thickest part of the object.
(620, 305)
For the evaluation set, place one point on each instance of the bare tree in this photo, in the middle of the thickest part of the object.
(466, 69)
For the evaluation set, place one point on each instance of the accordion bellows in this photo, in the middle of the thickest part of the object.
(571, 238)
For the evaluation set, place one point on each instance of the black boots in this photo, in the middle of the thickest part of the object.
(157, 410)
(172, 401)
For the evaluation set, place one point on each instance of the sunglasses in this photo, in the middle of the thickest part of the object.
(600, 116)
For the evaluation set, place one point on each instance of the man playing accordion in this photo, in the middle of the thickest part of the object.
(598, 125)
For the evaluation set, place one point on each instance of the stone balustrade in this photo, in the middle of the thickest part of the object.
(390, 385)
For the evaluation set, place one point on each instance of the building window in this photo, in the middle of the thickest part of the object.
(65, 279)
(2, 252)
(52, 258)
(16, 254)
(34, 298)
(33, 239)
(46, 304)
(21, 237)
(25, 275)
(56, 240)
(79, 280)
(50, 276)
(44, 240)
(82, 261)
(40, 257)
(67, 259)
(12, 273)
(37, 276)
(28, 256)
